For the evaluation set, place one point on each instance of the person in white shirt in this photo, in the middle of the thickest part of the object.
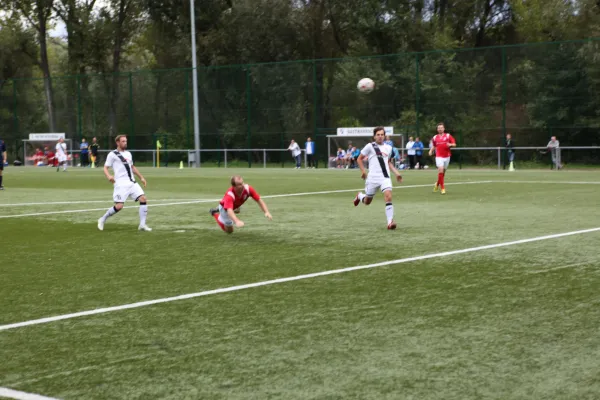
(554, 149)
(61, 154)
(296, 152)
(124, 182)
(378, 155)
(411, 153)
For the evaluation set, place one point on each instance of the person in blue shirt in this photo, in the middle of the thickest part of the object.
(418, 147)
(310, 153)
(354, 154)
(84, 155)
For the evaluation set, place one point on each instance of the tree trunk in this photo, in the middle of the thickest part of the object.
(482, 23)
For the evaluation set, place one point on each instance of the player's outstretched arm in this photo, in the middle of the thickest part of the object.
(238, 222)
(264, 209)
(108, 175)
(139, 175)
(361, 165)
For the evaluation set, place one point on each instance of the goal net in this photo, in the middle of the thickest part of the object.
(39, 150)
(356, 138)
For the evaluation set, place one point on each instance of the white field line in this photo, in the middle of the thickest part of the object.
(15, 394)
(550, 182)
(107, 200)
(216, 200)
(287, 279)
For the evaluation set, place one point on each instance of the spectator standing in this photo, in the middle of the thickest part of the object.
(94, 147)
(509, 144)
(411, 152)
(296, 152)
(418, 146)
(3, 159)
(554, 149)
(84, 155)
(310, 153)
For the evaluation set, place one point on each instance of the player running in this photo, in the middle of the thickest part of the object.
(125, 185)
(442, 142)
(61, 154)
(230, 205)
(380, 165)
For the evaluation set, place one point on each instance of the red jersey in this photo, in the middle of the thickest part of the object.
(440, 143)
(233, 201)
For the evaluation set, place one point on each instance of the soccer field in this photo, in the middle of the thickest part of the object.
(491, 291)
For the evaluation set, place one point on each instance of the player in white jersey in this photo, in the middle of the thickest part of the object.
(378, 154)
(124, 182)
(61, 154)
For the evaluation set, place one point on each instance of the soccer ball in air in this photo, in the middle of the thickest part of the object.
(366, 85)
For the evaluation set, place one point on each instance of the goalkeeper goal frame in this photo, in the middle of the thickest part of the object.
(44, 140)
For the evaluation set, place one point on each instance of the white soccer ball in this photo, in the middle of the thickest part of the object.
(366, 85)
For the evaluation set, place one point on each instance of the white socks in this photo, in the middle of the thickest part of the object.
(111, 211)
(361, 196)
(143, 213)
(389, 212)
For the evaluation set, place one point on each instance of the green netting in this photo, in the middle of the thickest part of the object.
(531, 91)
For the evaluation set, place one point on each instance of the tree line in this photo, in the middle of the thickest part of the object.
(123, 66)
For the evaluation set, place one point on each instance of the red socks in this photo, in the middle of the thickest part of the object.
(441, 179)
(216, 216)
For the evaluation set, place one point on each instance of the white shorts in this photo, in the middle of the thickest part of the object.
(124, 190)
(223, 217)
(442, 162)
(373, 184)
(61, 158)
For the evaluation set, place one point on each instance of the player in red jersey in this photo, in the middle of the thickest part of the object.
(230, 205)
(442, 142)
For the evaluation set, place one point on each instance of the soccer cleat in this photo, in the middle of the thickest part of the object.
(100, 224)
(356, 200)
(435, 188)
(443, 191)
(1, 187)
(392, 225)
(144, 228)
(213, 211)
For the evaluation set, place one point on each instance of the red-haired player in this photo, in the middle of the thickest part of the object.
(230, 205)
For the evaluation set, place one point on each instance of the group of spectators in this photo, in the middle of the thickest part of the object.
(414, 151)
(47, 156)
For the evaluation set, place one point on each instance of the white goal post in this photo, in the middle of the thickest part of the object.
(41, 141)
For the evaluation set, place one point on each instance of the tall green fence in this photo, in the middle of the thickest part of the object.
(531, 91)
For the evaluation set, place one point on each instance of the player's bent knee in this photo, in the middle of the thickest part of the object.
(141, 199)
(118, 206)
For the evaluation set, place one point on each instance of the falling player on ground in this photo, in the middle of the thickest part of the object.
(380, 165)
(236, 195)
(61, 154)
(124, 182)
(442, 142)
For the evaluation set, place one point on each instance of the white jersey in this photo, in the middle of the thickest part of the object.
(122, 165)
(375, 162)
(61, 149)
(295, 149)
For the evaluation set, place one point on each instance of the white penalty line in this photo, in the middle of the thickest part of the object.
(52, 203)
(288, 279)
(216, 200)
(15, 394)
